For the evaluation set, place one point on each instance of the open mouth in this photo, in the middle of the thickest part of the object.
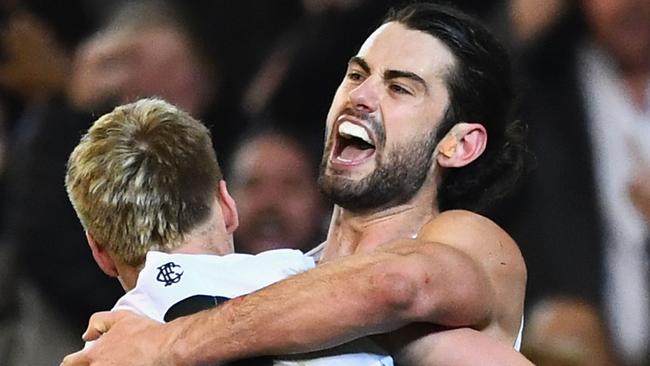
(353, 143)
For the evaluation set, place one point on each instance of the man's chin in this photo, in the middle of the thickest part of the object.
(335, 181)
(344, 192)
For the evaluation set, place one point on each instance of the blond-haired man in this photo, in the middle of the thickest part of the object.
(147, 187)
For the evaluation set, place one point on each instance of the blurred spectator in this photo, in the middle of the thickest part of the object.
(273, 180)
(197, 55)
(530, 18)
(35, 62)
(567, 332)
(588, 110)
(519, 23)
(37, 39)
(144, 50)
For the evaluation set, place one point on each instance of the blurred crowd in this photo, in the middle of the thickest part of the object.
(261, 75)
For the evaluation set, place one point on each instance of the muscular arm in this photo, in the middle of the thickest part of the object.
(342, 300)
(399, 283)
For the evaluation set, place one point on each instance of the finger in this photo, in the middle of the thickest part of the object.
(101, 322)
(75, 359)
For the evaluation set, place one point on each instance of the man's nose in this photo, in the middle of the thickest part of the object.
(365, 97)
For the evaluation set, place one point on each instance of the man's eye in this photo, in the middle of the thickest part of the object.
(399, 89)
(355, 76)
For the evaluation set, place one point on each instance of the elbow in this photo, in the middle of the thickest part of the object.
(410, 295)
(448, 293)
(394, 290)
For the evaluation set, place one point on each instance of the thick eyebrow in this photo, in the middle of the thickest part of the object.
(361, 63)
(390, 74)
(394, 74)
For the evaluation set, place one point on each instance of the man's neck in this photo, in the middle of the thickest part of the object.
(359, 233)
(205, 239)
(197, 246)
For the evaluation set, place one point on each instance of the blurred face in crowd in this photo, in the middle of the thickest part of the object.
(154, 61)
(165, 64)
(380, 127)
(623, 27)
(277, 196)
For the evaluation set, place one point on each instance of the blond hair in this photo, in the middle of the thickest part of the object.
(142, 177)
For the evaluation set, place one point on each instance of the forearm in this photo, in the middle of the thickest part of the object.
(339, 301)
(318, 309)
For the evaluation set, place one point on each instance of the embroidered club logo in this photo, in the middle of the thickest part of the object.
(169, 273)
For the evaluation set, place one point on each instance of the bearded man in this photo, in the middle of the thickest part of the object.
(408, 257)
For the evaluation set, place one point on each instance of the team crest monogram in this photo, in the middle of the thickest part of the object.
(169, 273)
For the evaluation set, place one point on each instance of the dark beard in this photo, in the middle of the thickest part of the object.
(394, 182)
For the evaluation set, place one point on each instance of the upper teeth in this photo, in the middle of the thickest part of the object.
(348, 129)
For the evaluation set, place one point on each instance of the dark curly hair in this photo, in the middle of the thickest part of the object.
(481, 90)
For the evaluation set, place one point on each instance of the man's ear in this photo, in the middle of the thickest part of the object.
(102, 256)
(228, 208)
(464, 143)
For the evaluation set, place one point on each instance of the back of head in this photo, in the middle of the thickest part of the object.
(481, 91)
(142, 178)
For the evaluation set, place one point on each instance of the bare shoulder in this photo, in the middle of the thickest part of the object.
(494, 251)
(460, 221)
(471, 233)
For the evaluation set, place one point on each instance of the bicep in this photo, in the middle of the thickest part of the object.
(446, 286)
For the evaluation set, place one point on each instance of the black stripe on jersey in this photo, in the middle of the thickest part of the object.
(197, 303)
